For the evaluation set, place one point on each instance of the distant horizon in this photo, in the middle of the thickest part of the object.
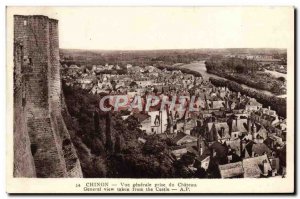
(215, 48)
(160, 28)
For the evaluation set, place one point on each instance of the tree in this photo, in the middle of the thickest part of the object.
(114, 84)
(240, 69)
(98, 132)
(281, 79)
(155, 90)
(132, 123)
(133, 84)
(108, 143)
(99, 167)
(200, 173)
(154, 145)
(97, 147)
(118, 144)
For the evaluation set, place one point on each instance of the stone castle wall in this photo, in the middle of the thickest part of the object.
(22, 146)
(38, 86)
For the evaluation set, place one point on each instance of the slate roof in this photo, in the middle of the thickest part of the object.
(253, 167)
(178, 137)
(239, 125)
(205, 154)
(235, 145)
(231, 170)
(261, 148)
(253, 102)
(209, 125)
(176, 147)
(262, 132)
(219, 148)
(141, 116)
(268, 117)
(257, 148)
(179, 152)
(219, 126)
(185, 136)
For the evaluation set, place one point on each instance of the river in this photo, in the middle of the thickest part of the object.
(200, 67)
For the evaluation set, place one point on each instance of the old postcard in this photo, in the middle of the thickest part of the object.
(152, 100)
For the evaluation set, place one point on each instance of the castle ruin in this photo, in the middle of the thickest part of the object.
(42, 144)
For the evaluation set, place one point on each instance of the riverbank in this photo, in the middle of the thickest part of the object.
(246, 72)
(200, 67)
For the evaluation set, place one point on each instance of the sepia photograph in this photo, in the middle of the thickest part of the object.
(150, 99)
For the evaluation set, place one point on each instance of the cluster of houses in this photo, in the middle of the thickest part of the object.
(257, 57)
(227, 134)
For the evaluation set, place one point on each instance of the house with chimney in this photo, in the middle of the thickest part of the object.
(178, 151)
(159, 121)
(215, 104)
(209, 136)
(260, 133)
(219, 152)
(189, 125)
(205, 114)
(202, 161)
(222, 93)
(265, 116)
(253, 149)
(202, 153)
(86, 82)
(257, 167)
(220, 132)
(145, 121)
(279, 128)
(236, 146)
(253, 105)
(275, 165)
(273, 141)
(232, 170)
(238, 127)
(184, 139)
(254, 167)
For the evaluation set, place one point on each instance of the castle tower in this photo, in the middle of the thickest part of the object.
(37, 81)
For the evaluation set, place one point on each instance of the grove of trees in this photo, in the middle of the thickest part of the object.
(276, 103)
(245, 72)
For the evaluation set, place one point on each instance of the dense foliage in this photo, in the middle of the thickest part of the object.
(246, 72)
(183, 70)
(276, 103)
(115, 150)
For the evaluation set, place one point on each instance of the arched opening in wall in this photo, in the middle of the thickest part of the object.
(33, 148)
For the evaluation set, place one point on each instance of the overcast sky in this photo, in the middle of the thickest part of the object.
(125, 28)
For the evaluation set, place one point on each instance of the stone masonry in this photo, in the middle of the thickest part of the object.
(42, 144)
